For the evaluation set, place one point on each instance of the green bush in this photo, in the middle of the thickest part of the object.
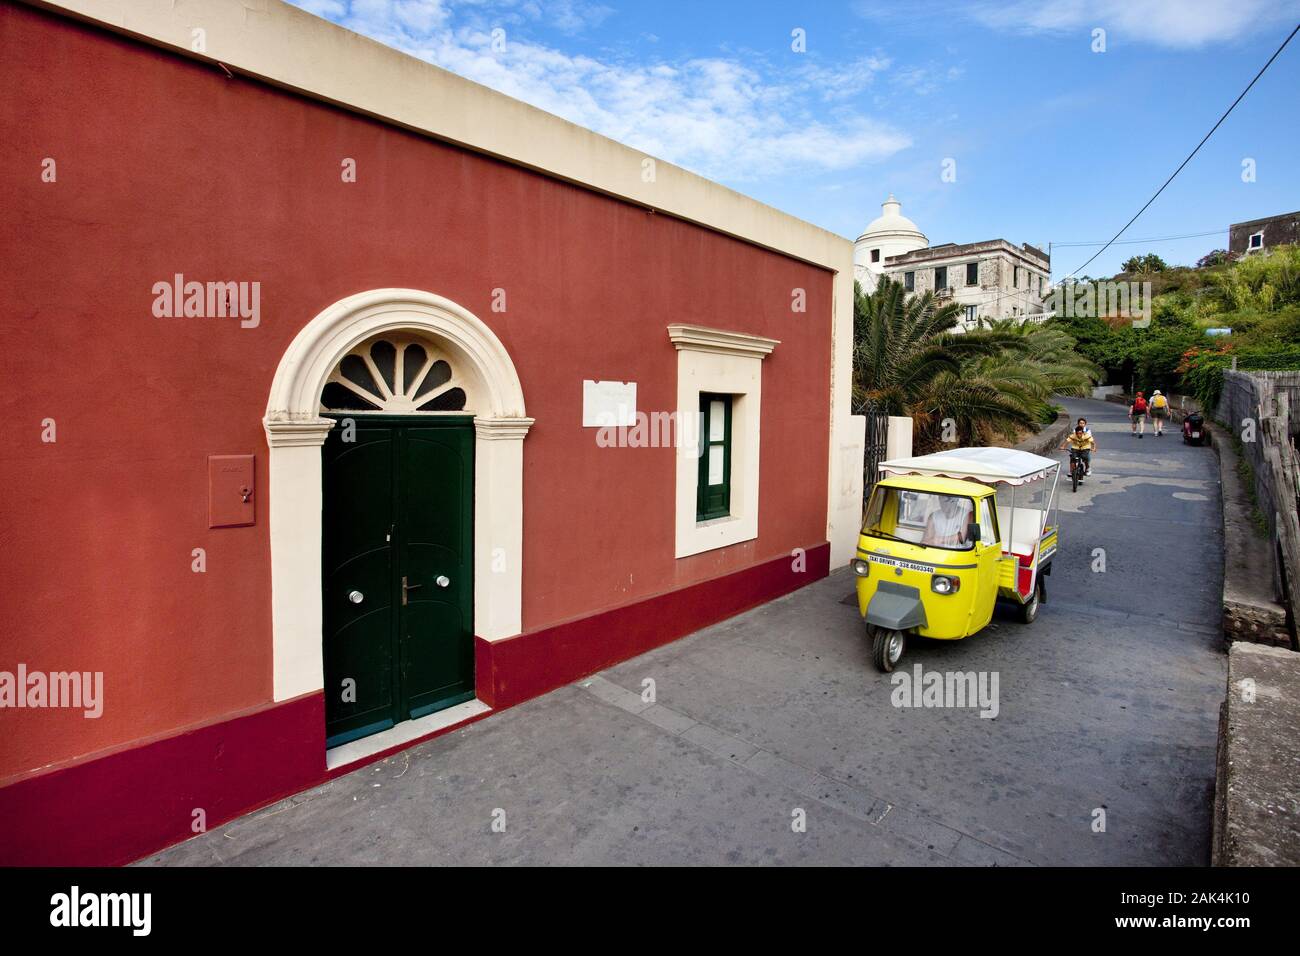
(1202, 370)
(1257, 297)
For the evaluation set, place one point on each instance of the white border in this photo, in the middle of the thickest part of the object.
(295, 431)
(712, 360)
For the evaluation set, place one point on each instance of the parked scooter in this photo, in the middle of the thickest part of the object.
(1194, 430)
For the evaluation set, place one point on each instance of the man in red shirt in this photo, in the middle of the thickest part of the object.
(1137, 413)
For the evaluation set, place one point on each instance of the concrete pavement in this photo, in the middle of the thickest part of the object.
(1108, 706)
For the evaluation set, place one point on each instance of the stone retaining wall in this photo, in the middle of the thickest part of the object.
(1251, 611)
(1257, 788)
(1046, 441)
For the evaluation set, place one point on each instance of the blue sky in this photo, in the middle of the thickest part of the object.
(1050, 141)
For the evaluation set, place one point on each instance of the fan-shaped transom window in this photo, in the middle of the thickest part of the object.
(396, 374)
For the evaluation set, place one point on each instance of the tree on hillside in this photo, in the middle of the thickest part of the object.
(1144, 265)
(1216, 258)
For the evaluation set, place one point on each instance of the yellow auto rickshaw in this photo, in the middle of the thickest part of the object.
(945, 536)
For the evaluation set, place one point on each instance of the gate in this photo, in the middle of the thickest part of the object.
(877, 433)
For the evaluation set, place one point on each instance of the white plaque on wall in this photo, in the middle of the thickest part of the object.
(608, 403)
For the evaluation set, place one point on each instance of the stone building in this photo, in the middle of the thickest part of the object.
(1257, 235)
(992, 279)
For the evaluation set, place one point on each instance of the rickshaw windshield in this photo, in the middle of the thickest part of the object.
(926, 518)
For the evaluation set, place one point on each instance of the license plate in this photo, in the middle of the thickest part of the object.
(1196, 434)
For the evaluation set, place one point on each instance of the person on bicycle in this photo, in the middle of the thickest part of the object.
(1087, 431)
(1081, 445)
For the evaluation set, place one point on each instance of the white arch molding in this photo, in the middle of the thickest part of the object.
(295, 432)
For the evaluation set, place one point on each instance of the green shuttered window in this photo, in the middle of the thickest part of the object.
(713, 492)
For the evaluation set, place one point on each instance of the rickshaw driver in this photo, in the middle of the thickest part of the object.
(946, 526)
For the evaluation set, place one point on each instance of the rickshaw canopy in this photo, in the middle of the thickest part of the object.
(935, 485)
(996, 465)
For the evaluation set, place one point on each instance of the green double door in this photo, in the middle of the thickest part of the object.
(397, 564)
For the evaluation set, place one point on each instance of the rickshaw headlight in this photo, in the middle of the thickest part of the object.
(943, 584)
(861, 568)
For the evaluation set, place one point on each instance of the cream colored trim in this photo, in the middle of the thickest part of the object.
(499, 526)
(703, 339)
(502, 429)
(288, 434)
(493, 385)
(730, 363)
(295, 431)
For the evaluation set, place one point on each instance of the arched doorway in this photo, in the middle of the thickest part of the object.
(475, 387)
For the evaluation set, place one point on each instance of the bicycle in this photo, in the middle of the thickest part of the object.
(1076, 469)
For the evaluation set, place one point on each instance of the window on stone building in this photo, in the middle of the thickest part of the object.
(909, 281)
(972, 273)
(941, 278)
(875, 255)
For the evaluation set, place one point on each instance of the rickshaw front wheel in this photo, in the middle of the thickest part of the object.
(887, 648)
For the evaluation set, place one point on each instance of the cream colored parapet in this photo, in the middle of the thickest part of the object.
(290, 48)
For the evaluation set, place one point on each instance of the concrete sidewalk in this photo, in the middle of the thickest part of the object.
(1107, 704)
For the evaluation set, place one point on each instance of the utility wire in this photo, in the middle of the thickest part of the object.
(1131, 242)
(1191, 154)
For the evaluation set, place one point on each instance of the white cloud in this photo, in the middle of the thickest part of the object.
(717, 115)
(330, 9)
(1185, 24)
(846, 80)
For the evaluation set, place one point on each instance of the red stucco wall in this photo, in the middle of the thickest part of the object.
(165, 165)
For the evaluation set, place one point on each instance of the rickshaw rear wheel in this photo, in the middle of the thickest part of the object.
(1029, 610)
(887, 648)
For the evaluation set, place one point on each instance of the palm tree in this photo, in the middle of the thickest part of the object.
(1047, 365)
(963, 387)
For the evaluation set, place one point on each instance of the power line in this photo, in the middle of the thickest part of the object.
(1131, 242)
(1192, 153)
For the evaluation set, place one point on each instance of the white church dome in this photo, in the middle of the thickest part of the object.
(892, 222)
(892, 234)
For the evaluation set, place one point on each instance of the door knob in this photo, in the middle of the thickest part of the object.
(443, 580)
(356, 597)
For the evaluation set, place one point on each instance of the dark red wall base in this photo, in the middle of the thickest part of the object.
(518, 668)
(127, 804)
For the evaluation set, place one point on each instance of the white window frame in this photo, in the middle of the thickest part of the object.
(729, 363)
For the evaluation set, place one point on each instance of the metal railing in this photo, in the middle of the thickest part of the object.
(877, 442)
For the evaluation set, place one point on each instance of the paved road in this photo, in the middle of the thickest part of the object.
(1108, 702)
